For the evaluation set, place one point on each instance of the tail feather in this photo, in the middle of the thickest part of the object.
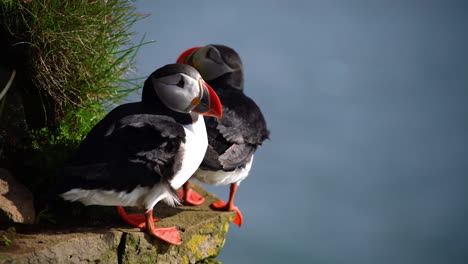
(172, 199)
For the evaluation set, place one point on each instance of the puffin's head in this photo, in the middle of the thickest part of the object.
(213, 61)
(181, 88)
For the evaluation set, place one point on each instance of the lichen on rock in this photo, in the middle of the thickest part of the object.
(203, 232)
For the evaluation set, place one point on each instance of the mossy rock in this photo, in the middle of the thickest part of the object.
(203, 233)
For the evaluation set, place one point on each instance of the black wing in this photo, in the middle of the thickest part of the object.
(126, 150)
(234, 138)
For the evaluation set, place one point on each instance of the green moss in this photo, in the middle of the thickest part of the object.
(208, 261)
(7, 236)
(184, 259)
(110, 256)
(5, 240)
(209, 226)
(202, 230)
(138, 251)
(203, 234)
(226, 227)
(195, 245)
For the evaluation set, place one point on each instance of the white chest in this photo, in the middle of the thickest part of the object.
(224, 177)
(194, 149)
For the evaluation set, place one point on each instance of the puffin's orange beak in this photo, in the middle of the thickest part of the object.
(216, 109)
(183, 58)
(208, 104)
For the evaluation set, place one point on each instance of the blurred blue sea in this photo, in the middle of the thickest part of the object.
(367, 103)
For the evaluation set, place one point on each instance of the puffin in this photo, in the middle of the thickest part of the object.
(141, 153)
(233, 139)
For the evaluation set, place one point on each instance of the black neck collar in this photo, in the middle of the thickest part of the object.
(231, 81)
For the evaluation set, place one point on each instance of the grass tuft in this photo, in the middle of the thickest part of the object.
(72, 59)
(77, 54)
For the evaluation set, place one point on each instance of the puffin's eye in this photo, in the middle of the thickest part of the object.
(181, 83)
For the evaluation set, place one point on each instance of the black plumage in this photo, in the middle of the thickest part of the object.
(233, 139)
(137, 139)
(130, 140)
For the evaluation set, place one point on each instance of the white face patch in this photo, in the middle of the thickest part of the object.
(212, 66)
(177, 91)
